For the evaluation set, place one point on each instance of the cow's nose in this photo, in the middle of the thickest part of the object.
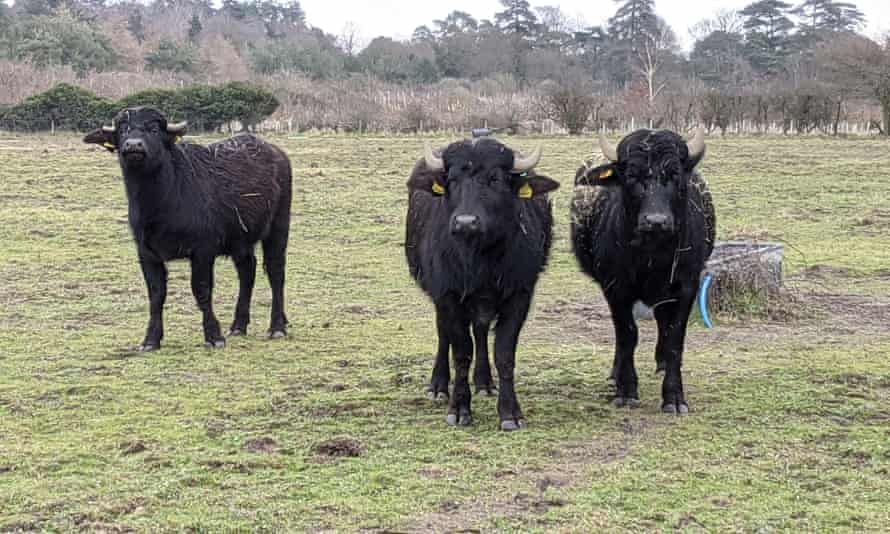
(656, 219)
(134, 145)
(465, 224)
(657, 222)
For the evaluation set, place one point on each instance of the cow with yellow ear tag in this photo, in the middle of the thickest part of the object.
(479, 230)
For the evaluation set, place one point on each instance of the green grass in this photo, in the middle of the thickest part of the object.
(789, 429)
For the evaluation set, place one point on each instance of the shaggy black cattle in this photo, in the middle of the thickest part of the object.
(643, 228)
(188, 201)
(479, 229)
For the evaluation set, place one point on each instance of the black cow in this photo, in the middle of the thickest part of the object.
(198, 202)
(479, 230)
(643, 228)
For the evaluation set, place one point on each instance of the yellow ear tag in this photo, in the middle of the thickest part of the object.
(438, 189)
(178, 139)
(526, 192)
(606, 174)
(109, 146)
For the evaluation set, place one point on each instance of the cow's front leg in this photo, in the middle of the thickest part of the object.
(457, 325)
(672, 318)
(438, 388)
(511, 318)
(202, 289)
(626, 336)
(155, 274)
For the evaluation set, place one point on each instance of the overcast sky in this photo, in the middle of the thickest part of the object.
(398, 18)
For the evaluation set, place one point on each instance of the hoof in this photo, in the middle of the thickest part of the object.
(621, 402)
(680, 408)
(487, 391)
(463, 420)
(237, 332)
(149, 347)
(217, 344)
(512, 424)
(440, 396)
(660, 367)
(277, 334)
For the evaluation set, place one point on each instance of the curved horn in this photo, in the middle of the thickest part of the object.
(696, 145)
(177, 128)
(108, 129)
(432, 162)
(609, 150)
(525, 164)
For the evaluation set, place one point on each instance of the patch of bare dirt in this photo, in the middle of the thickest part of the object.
(340, 448)
(264, 445)
(520, 493)
(133, 447)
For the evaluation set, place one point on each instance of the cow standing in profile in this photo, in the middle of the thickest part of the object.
(479, 229)
(643, 227)
(188, 201)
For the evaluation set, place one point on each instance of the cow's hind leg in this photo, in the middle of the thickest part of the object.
(245, 263)
(438, 388)
(673, 318)
(482, 370)
(202, 289)
(626, 337)
(511, 318)
(274, 259)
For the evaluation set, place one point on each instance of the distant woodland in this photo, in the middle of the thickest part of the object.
(792, 68)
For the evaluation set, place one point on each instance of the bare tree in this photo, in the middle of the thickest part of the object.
(725, 20)
(350, 40)
(652, 57)
(862, 66)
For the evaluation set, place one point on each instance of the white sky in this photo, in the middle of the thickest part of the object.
(398, 18)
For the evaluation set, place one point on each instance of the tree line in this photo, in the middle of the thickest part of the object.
(772, 65)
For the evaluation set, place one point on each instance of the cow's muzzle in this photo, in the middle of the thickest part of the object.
(655, 223)
(133, 150)
(466, 225)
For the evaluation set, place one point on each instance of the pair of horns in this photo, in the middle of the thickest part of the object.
(175, 128)
(520, 164)
(696, 145)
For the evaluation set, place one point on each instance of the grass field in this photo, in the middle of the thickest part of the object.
(329, 429)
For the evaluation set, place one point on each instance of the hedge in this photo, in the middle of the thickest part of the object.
(206, 107)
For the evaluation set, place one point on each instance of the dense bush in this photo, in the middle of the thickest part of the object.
(207, 108)
(64, 106)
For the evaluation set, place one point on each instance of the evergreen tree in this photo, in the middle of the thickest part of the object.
(768, 38)
(633, 20)
(195, 28)
(517, 18)
(135, 26)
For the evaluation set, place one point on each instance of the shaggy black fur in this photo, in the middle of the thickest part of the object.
(188, 201)
(477, 248)
(643, 228)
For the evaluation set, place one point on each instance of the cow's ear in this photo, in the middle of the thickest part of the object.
(537, 185)
(427, 181)
(603, 174)
(101, 137)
